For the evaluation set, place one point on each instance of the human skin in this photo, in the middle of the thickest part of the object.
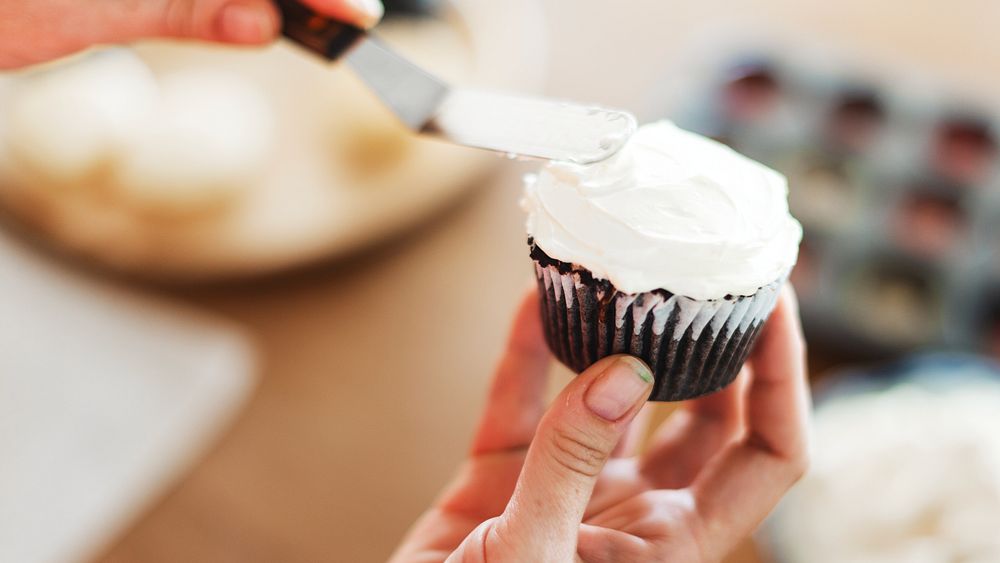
(569, 485)
(561, 485)
(35, 31)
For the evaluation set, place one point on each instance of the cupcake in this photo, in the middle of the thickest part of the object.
(673, 250)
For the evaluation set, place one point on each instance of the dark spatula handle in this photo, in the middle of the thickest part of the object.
(320, 34)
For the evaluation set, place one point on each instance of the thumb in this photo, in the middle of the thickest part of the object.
(574, 440)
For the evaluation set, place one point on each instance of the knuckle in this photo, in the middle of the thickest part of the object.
(498, 542)
(798, 464)
(797, 458)
(793, 457)
(577, 452)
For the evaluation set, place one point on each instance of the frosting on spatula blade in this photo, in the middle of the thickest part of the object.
(532, 127)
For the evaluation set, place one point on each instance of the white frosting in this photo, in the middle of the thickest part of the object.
(64, 123)
(673, 210)
(209, 137)
(905, 475)
(186, 141)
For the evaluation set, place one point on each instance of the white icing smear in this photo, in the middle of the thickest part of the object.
(532, 126)
(672, 210)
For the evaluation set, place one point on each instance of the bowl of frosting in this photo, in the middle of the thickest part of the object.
(190, 162)
(905, 467)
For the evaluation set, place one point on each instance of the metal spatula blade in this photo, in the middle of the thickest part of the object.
(518, 126)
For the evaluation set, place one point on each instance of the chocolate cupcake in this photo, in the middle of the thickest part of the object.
(674, 251)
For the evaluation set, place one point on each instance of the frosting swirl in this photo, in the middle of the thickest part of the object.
(672, 210)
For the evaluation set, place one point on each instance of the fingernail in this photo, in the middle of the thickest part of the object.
(619, 388)
(369, 11)
(244, 23)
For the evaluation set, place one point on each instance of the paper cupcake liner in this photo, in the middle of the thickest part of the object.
(694, 347)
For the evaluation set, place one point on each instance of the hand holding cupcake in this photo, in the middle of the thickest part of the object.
(570, 482)
(673, 251)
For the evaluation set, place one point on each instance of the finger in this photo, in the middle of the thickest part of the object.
(778, 403)
(738, 488)
(650, 514)
(45, 29)
(618, 480)
(628, 446)
(699, 430)
(435, 534)
(514, 406)
(40, 30)
(646, 528)
(473, 547)
(598, 544)
(572, 444)
(516, 398)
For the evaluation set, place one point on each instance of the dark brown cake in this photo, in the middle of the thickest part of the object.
(693, 347)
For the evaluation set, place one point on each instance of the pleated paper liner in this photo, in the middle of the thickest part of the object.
(694, 347)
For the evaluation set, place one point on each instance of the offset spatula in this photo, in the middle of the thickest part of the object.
(514, 125)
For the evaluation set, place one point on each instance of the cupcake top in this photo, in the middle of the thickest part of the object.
(672, 210)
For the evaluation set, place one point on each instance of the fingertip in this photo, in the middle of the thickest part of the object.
(247, 23)
(790, 300)
(785, 318)
(363, 13)
(793, 317)
(530, 301)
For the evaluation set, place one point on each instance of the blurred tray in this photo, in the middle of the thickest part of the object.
(895, 179)
(346, 174)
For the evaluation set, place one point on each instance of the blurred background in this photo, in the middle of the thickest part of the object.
(247, 317)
